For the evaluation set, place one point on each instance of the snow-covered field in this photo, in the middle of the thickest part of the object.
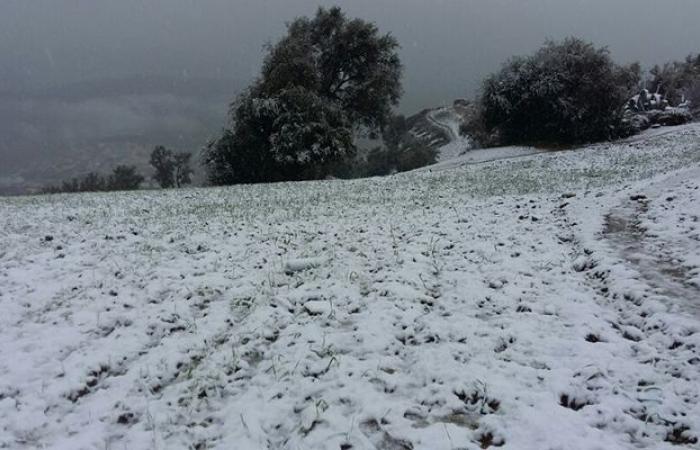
(512, 304)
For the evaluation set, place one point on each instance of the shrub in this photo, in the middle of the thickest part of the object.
(566, 93)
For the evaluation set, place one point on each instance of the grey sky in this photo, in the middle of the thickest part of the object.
(448, 45)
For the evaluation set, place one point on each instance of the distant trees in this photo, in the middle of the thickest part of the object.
(676, 81)
(329, 79)
(162, 161)
(568, 92)
(122, 178)
(171, 169)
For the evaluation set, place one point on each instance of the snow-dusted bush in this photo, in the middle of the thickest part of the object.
(567, 92)
(645, 110)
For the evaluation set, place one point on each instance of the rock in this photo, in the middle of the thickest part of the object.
(299, 265)
(496, 284)
(309, 416)
(568, 195)
(583, 263)
(318, 307)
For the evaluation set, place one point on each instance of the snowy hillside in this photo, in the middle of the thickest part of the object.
(545, 302)
(450, 120)
(439, 129)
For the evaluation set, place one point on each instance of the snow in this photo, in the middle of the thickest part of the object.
(483, 155)
(437, 309)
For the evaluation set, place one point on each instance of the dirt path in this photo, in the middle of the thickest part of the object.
(431, 116)
(657, 258)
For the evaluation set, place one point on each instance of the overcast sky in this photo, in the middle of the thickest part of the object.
(448, 45)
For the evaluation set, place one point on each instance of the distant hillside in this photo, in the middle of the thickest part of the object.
(439, 128)
(52, 134)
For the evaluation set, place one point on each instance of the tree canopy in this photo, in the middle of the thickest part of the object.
(328, 80)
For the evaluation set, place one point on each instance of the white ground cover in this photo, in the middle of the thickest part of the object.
(484, 306)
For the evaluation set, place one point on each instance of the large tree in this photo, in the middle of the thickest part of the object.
(344, 61)
(328, 80)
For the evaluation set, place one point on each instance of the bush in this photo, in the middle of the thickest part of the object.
(567, 93)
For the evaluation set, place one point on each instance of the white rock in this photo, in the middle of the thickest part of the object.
(298, 265)
(318, 307)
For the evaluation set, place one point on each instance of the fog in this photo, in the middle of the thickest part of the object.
(447, 47)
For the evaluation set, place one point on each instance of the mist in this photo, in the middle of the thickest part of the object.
(448, 46)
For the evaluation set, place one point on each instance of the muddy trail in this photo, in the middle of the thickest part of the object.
(652, 257)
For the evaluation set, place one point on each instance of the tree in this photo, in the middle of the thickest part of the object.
(566, 93)
(162, 162)
(92, 182)
(124, 178)
(182, 170)
(345, 61)
(171, 169)
(327, 80)
(294, 136)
